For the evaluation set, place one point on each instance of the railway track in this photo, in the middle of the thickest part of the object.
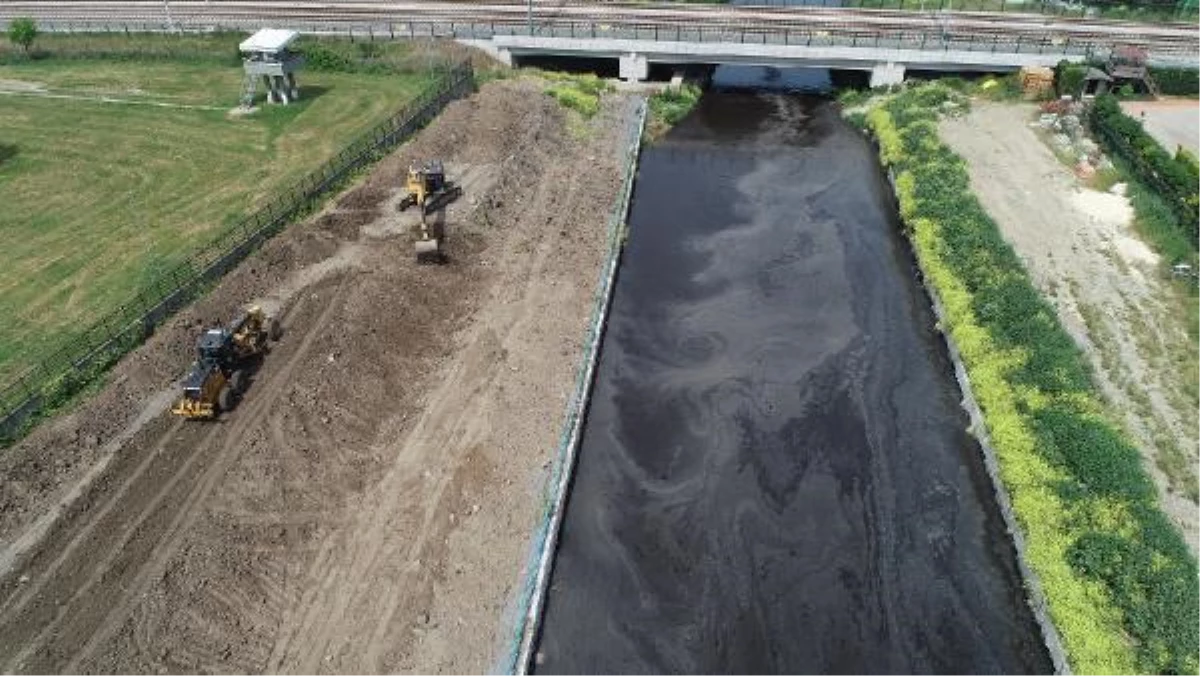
(1178, 40)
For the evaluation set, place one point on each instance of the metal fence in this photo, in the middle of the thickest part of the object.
(59, 376)
(1144, 10)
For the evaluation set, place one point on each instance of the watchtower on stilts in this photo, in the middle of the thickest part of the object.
(266, 57)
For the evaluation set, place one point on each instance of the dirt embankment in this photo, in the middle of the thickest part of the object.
(367, 507)
(1107, 285)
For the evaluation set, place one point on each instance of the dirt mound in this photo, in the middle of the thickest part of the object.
(365, 197)
(367, 506)
(345, 225)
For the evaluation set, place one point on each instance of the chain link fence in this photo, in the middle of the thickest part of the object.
(58, 377)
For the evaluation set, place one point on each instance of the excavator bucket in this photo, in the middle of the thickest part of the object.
(429, 250)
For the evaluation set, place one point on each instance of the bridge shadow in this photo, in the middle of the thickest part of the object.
(601, 67)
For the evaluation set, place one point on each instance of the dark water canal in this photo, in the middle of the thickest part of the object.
(775, 475)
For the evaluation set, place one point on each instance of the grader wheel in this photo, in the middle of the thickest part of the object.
(226, 398)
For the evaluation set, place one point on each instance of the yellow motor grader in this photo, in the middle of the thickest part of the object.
(223, 356)
(428, 190)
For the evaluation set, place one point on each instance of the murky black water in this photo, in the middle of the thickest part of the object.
(775, 475)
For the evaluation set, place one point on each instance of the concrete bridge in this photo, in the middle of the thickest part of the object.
(886, 61)
(885, 43)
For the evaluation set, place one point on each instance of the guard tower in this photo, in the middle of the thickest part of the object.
(266, 56)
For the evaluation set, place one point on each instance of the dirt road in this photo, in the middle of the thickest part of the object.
(1106, 284)
(367, 507)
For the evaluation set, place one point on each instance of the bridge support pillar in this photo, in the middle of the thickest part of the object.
(887, 74)
(505, 57)
(633, 67)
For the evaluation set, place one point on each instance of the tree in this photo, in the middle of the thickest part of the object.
(23, 31)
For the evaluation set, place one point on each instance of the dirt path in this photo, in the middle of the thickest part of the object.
(1106, 284)
(367, 507)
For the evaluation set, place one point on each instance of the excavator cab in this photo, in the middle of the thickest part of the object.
(435, 177)
(428, 189)
(425, 184)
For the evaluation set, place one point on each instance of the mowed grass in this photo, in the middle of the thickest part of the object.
(96, 197)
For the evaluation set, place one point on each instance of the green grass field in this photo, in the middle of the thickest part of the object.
(96, 195)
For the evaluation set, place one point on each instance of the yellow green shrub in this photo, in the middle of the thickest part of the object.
(582, 102)
(1121, 586)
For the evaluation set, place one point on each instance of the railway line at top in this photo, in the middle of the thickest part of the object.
(749, 22)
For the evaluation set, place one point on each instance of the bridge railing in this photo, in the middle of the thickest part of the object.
(846, 37)
(944, 38)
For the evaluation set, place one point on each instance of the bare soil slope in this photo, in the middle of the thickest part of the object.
(1082, 252)
(367, 507)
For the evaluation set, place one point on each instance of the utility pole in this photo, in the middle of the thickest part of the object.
(529, 16)
(170, 22)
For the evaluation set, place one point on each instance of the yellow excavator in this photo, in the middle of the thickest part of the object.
(223, 356)
(428, 189)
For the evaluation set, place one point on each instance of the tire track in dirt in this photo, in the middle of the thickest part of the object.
(17, 602)
(453, 425)
(21, 620)
(250, 420)
(253, 537)
(118, 558)
(156, 405)
(323, 609)
(509, 342)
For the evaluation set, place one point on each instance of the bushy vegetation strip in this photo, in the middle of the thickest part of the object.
(1120, 583)
(669, 106)
(1177, 81)
(1172, 176)
(580, 93)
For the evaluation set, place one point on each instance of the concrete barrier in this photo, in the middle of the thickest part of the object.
(545, 541)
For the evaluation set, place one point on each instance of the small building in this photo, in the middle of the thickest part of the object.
(1096, 82)
(266, 56)
(1127, 65)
